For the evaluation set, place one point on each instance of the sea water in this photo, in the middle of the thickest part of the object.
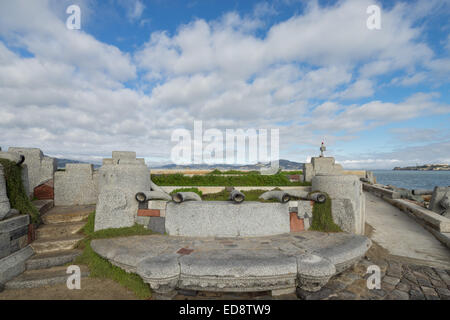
(413, 179)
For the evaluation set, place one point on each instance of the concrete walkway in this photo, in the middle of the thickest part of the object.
(402, 236)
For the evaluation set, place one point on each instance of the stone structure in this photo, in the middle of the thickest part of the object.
(120, 178)
(348, 200)
(40, 167)
(77, 185)
(226, 219)
(278, 263)
(320, 165)
(440, 201)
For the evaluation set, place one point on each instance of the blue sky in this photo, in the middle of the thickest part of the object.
(140, 69)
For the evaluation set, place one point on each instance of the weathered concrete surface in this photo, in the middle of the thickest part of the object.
(77, 185)
(440, 202)
(307, 259)
(226, 219)
(395, 231)
(120, 178)
(14, 264)
(347, 206)
(4, 201)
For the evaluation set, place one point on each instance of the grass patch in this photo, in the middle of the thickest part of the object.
(195, 190)
(322, 219)
(178, 179)
(102, 268)
(16, 192)
(300, 172)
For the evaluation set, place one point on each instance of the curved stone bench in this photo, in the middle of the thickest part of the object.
(306, 260)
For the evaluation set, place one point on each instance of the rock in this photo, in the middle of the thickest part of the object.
(439, 200)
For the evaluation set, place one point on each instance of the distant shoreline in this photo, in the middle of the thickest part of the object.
(426, 167)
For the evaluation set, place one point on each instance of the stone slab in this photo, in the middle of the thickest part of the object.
(226, 219)
(14, 264)
(157, 224)
(77, 185)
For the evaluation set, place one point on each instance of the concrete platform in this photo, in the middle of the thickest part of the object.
(402, 236)
(305, 259)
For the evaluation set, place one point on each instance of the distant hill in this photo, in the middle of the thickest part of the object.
(426, 167)
(284, 164)
(61, 163)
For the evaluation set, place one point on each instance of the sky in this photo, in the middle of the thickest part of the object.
(137, 70)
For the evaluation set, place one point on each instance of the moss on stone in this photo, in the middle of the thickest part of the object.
(102, 268)
(16, 192)
(322, 219)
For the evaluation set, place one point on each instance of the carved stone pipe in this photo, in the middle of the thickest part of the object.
(420, 192)
(236, 196)
(185, 196)
(281, 196)
(317, 196)
(152, 195)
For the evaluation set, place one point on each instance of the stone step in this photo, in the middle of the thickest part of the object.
(43, 206)
(53, 259)
(57, 244)
(45, 277)
(59, 230)
(67, 214)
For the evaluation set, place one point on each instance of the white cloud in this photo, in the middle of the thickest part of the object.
(72, 99)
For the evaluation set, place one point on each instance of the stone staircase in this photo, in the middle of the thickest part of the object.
(55, 245)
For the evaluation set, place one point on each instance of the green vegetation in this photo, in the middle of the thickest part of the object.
(187, 190)
(255, 179)
(293, 172)
(322, 219)
(102, 268)
(16, 192)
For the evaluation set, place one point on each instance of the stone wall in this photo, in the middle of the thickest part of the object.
(40, 168)
(120, 178)
(348, 200)
(77, 185)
